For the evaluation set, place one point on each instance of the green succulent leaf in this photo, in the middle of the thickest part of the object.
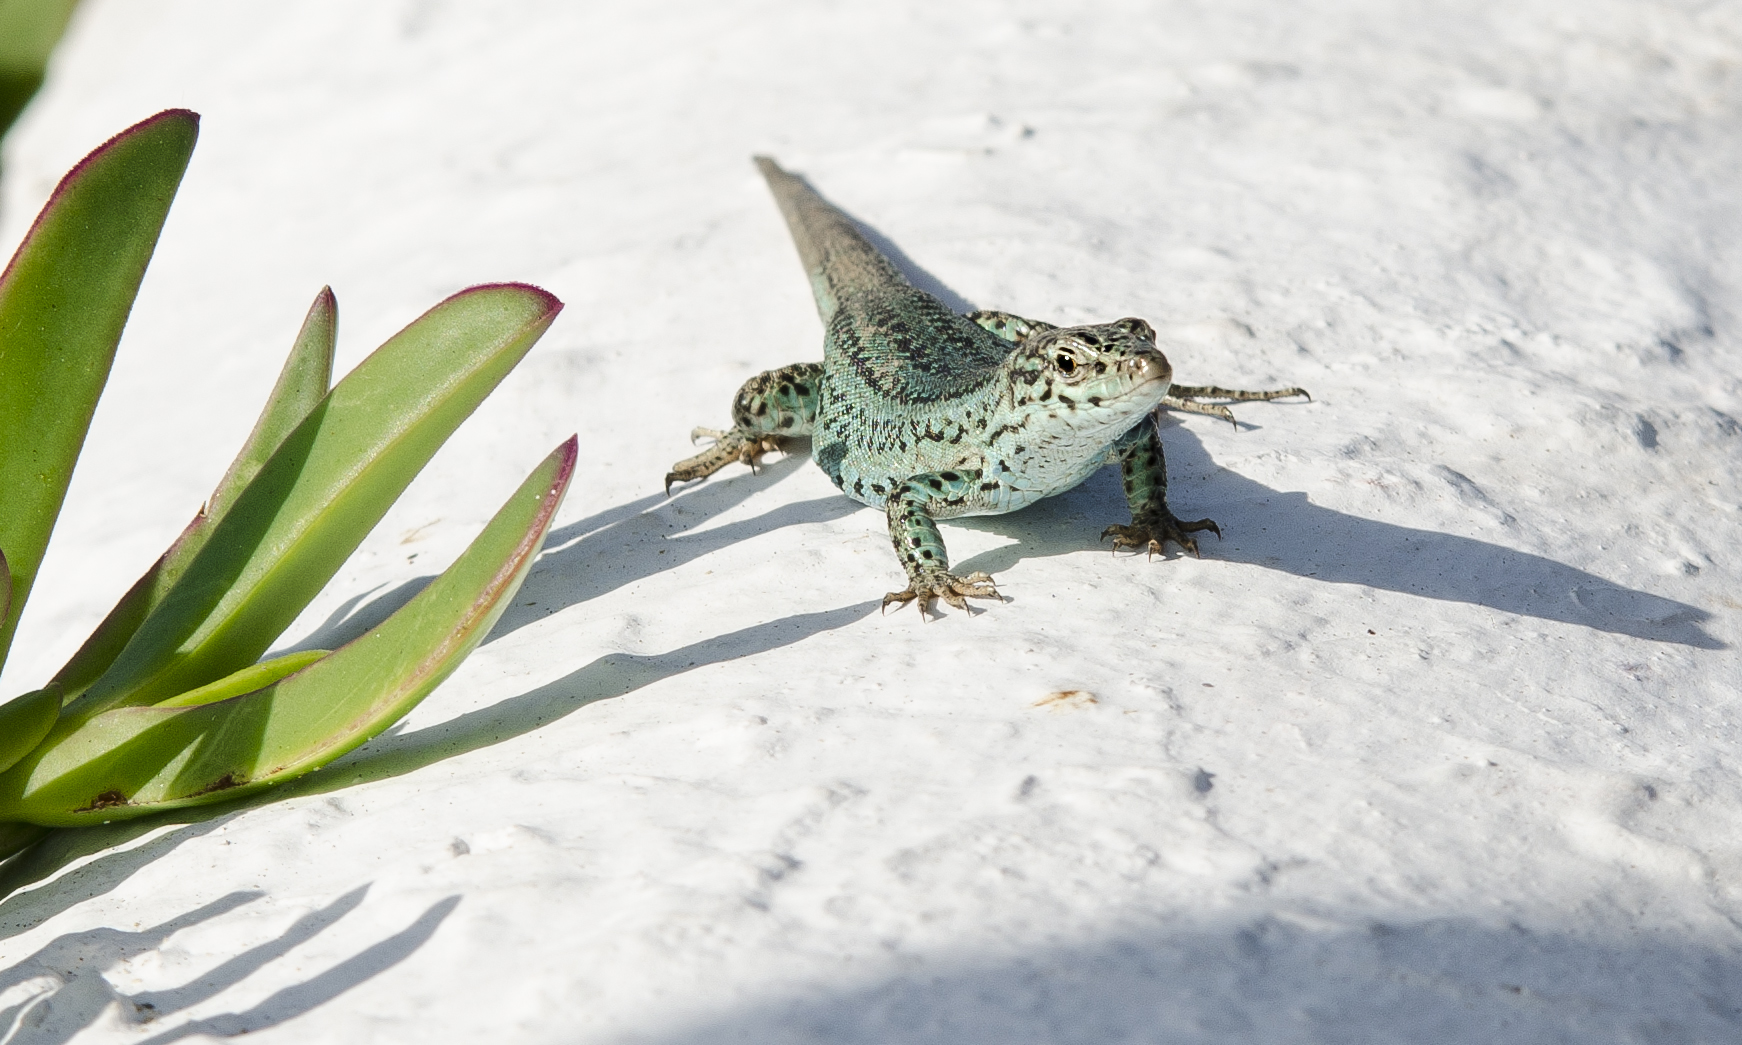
(29, 29)
(320, 493)
(249, 679)
(64, 299)
(24, 721)
(301, 385)
(129, 761)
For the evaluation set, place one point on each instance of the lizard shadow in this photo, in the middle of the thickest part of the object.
(1283, 530)
(909, 269)
(629, 543)
(912, 270)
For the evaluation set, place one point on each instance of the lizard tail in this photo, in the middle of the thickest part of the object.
(836, 255)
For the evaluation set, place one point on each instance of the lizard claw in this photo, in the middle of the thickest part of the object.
(1152, 533)
(946, 586)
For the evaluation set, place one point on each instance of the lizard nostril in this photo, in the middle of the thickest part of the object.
(1153, 366)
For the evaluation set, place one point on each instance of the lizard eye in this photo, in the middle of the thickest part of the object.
(1064, 362)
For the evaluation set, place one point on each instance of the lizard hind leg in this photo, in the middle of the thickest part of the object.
(770, 406)
(735, 445)
(1185, 398)
(920, 547)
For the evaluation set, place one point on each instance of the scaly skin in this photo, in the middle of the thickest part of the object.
(932, 415)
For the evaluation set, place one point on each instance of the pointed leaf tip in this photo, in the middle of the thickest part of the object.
(64, 298)
(571, 452)
(171, 122)
(550, 302)
(320, 493)
(134, 760)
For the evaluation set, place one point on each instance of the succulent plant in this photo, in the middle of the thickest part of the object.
(167, 704)
(29, 29)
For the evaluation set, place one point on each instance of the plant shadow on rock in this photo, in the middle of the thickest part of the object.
(357, 615)
(1282, 530)
(622, 545)
(76, 990)
(609, 550)
(23, 911)
(581, 560)
(1443, 981)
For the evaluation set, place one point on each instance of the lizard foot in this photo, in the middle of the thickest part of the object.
(1152, 532)
(940, 584)
(736, 445)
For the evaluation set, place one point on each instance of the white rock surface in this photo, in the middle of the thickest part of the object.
(1439, 745)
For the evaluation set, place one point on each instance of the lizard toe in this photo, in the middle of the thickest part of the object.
(899, 598)
(1152, 534)
(954, 590)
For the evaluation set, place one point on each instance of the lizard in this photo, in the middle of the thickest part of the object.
(930, 414)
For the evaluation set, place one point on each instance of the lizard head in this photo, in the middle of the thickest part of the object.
(1089, 378)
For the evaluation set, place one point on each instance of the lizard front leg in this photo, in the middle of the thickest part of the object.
(1143, 469)
(920, 547)
(771, 405)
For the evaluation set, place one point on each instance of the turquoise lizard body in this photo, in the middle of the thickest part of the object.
(932, 415)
